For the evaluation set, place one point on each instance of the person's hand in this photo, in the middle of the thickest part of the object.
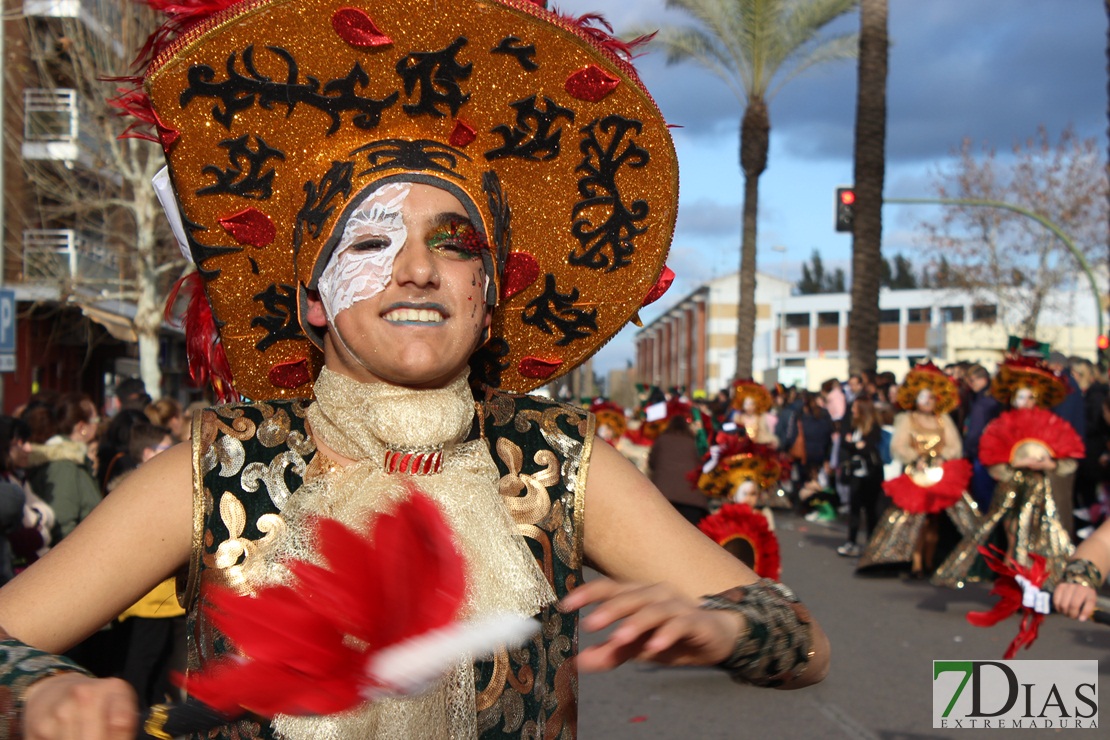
(71, 706)
(1074, 600)
(653, 623)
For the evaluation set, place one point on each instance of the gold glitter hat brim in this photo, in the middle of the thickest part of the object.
(745, 389)
(1048, 389)
(276, 116)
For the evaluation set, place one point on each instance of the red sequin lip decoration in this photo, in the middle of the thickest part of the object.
(666, 277)
(591, 84)
(356, 28)
(539, 367)
(521, 270)
(250, 226)
(462, 134)
(291, 374)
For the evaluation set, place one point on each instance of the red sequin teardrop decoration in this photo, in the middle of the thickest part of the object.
(356, 28)
(462, 134)
(521, 270)
(591, 84)
(539, 367)
(291, 374)
(666, 277)
(250, 226)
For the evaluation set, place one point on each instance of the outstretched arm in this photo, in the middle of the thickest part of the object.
(1075, 595)
(662, 567)
(135, 538)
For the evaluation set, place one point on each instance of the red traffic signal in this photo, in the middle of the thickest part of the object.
(1103, 342)
(845, 208)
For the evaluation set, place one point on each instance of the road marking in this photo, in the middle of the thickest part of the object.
(839, 717)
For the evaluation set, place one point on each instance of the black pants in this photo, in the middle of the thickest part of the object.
(151, 654)
(863, 498)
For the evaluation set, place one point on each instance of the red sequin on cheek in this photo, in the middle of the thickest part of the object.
(357, 28)
(539, 367)
(591, 84)
(292, 374)
(250, 226)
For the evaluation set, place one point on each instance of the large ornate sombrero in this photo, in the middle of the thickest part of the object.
(927, 376)
(278, 116)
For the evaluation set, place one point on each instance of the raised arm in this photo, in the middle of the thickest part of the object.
(662, 567)
(1076, 593)
(136, 537)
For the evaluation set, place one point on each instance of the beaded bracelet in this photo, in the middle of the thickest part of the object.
(1083, 572)
(20, 666)
(776, 645)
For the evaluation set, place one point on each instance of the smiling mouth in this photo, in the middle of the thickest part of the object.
(414, 316)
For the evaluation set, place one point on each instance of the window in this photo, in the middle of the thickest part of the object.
(796, 320)
(888, 316)
(828, 318)
(919, 315)
(952, 314)
(984, 312)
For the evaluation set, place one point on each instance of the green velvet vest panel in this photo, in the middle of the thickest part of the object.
(250, 458)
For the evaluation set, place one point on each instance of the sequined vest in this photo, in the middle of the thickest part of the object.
(249, 459)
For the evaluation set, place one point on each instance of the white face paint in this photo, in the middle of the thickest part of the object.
(1024, 399)
(925, 400)
(354, 275)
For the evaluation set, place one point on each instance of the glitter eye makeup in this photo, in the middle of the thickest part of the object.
(456, 235)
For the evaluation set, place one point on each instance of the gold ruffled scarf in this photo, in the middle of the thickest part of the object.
(363, 422)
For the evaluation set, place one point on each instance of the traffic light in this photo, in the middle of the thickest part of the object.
(845, 208)
(1103, 350)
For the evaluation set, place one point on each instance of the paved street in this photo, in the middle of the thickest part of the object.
(884, 633)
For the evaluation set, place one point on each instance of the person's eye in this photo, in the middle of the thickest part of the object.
(371, 244)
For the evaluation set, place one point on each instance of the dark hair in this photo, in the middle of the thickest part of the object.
(163, 410)
(679, 425)
(144, 436)
(132, 394)
(11, 430)
(72, 409)
(810, 405)
(863, 415)
(39, 418)
(978, 371)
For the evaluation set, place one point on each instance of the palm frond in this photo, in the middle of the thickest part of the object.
(683, 44)
(833, 49)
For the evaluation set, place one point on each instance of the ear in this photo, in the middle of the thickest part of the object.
(315, 314)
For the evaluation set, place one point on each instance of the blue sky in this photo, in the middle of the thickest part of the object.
(989, 70)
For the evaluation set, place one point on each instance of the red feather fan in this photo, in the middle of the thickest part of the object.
(918, 499)
(1009, 594)
(310, 648)
(1005, 434)
(740, 521)
(207, 360)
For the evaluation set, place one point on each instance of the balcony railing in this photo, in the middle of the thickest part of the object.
(100, 16)
(65, 256)
(50, 124)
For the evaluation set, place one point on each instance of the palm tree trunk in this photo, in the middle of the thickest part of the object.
(870, 171)
(755, 131)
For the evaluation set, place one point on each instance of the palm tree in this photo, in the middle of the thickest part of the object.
(755, 46)
(870, 170)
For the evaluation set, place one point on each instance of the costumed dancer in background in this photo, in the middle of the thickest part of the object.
(376, 301)
(1026, 450)
(935, 480)
(751, 403)
(743, 474)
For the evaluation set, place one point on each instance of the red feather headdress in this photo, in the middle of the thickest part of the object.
(911, 496)
(741, 522)
(1010, 594)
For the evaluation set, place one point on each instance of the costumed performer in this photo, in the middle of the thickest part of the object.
(1027, 450)
(935, 477)
(751, 402)
(432, 186)
(741, 471)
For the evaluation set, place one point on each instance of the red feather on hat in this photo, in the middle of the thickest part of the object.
(1009, 595)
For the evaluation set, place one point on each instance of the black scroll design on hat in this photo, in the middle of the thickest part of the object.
(488, 363)
(553, 310)
(204, 252)
(319, 201)
(241, 91)
(502, 217)
(608, 245)
(245, 176)
(532, 137)
(437, 74)
(422, 155)
(279, 303)
(525, 53)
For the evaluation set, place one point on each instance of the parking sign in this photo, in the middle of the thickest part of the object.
(7, 330)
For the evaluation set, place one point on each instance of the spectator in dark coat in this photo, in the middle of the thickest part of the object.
(817, 428)
(982, 408)
(673, 455)
(1097, 431)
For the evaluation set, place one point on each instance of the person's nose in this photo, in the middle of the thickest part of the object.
(415, 265)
